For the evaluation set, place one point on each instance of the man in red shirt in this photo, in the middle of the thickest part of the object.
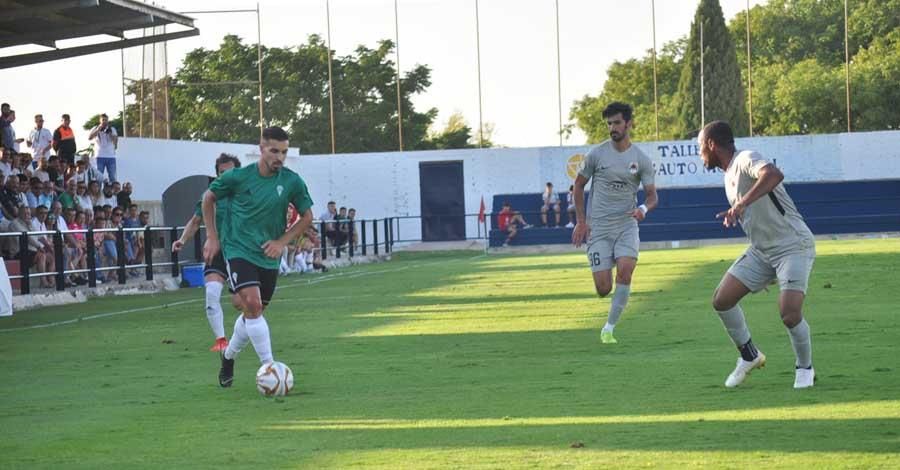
(509, 220)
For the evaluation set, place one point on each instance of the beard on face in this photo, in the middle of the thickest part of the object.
(615, 136)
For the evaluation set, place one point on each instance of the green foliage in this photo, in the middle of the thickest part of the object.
(798, 72)
(456, 134)
(632, 82)
(296, 97)
(723, 91)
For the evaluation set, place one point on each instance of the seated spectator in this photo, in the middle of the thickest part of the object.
(508, 221)
(10, 200)
(95, 194)
(343, 227)
(56, 173)
(38, 224)
(551, 200)
(109, 197)
(32, 255)
(69, 199)
(79, 254)
(131, 220)
(104, 249)
(21, 165)
(48, 195)
(116, 222)
(34, 192)
(570, 206)
(41, 171)
(82, 199)
(84, 172)
(124, 196)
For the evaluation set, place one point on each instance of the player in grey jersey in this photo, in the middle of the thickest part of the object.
(616, 169)
(781, 247)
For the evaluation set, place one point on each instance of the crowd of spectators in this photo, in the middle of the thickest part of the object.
(340, 231)
(42, 191)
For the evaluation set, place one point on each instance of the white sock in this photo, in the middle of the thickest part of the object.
(239, 338)
(802, 343)
(735, 325)
(258, 330)
(214, 308)
(619, 301)
(300, 262)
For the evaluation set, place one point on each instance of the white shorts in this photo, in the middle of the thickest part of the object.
(603, 251)
(755, 270)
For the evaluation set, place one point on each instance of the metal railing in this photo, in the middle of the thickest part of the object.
(369, 236)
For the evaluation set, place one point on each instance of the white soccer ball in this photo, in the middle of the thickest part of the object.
(274, 379)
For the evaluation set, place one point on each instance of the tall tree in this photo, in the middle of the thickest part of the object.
(296, 97)
(723, 91)
(632, 82)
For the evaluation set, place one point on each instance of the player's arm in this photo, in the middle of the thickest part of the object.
(767, 178)
(580, 234)
(651, 200)
(190, 229)
(274, 248)
(94, 132)
(211, 247)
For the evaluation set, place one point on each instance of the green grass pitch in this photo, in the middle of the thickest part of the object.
(461, 360)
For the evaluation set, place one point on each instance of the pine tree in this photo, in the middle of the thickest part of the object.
(723, 89)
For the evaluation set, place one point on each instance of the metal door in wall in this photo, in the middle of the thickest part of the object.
(443, 201)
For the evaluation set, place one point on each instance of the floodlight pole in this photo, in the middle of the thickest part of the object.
(399, 101)
(749, 73)
(559, 77)
(259, 70)
(166, 89)
(143, 71)
(655, 92)
(478, 53)
(702, 96)
(124, 91)
(330, 79)
(847, 62)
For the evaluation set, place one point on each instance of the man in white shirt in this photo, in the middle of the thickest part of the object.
(40, 139)
(106, 140)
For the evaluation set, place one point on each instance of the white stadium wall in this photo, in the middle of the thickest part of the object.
(387, 184)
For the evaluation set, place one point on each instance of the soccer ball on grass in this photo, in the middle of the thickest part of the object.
(274, 379)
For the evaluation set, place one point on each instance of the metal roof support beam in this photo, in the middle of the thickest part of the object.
(37, 57)
(42, 10)
(153, 11)
(77, 31)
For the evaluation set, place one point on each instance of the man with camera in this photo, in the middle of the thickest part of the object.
(107, 139)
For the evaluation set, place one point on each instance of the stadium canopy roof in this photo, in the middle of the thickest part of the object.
(43, 22)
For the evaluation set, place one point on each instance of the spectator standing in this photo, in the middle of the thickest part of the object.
(40, 139)
(106, 140)
(343, 227)
(9, 133)
(64, 141)
(354, 236)
(331, 231)
(570, 206)
(5, 165)
(56, 173)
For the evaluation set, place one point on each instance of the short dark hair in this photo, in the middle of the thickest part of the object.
(342, 208)
(104, 115)
(66, 116)
(225, 158)
(331, 202)
(719, 132)
(549, 183)
(133, 205)
(275, 133)
(617, 107)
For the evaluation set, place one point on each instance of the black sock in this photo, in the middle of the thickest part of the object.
(748, 351)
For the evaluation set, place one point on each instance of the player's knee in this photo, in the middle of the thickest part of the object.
(252, 308)
(623, 277)
(791, 317)
(720, 303)
(603, 290)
